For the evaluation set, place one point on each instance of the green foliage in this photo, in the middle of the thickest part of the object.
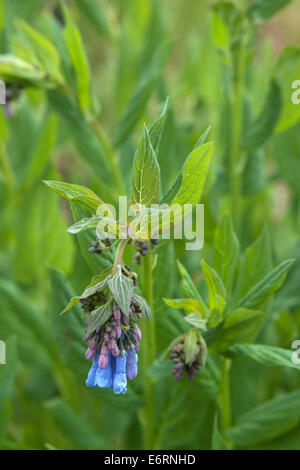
(83, 81)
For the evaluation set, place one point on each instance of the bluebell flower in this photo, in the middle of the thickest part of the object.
(91, 380)
(115, 375)
(131, 364)
(105, 377)
(120, 380)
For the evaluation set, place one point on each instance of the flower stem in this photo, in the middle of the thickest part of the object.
(224, 395)
(120, 252)
(148, 356)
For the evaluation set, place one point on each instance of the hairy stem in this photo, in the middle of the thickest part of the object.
(148, 353)
(120, 252)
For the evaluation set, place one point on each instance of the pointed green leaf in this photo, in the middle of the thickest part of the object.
(121, 288)
(146, 174)
(262, 127)
(266, 355)
(226, 250)
(87, 223)
(266, 287)
(216, 289)
(269, 420)
(74, 192)
(79, 60)
(188, 305)
(194, 174)
(157, 129)
(99, 316)
(238, 327)
(187, 285)
(145, 307)
(263, 9)
(256, 263)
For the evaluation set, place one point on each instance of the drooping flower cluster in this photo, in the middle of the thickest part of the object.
(113, 332)
(143, 247)
(188, 354)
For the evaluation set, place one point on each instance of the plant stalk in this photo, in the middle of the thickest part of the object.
(148, 356)
(224, 395)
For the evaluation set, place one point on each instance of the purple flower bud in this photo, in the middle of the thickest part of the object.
(138, 333)
(117, 315)
(106, 339)
(93, 344)
(114, 349)
(90, 353)
(103, 358)
(125, 320)
(118, 331)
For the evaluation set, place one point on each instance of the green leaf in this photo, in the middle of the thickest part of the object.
(195, 319)
(47, 54)
(264, 124)
(218, 441)
(187, 285)
(169, 196)
(216, 289)
(146, 174)
(226, 250)
(142, 92)
(157, 129)
(145, 307)
(263, 9)
(79, 61)
(237, 327)
(188, 305)
(266, 355)
(87, 223)
(76, 193)
(266, 287)
(16, 70)
(194, 174)
(90, 290)
(228, 25)
(266, 421)
(256, 263)
(99, 316)
(121, 288)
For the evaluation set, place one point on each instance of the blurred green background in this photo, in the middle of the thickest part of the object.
(50, 135)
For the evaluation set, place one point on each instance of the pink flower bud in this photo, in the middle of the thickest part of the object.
(138, 333)
(90, 353)
(93, 344)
